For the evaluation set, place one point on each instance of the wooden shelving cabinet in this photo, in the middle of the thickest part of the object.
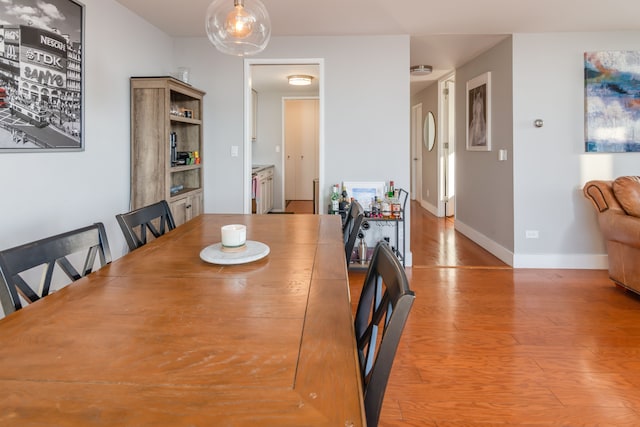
(160, 107)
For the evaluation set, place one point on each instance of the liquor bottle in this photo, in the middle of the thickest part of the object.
(395, 205)
(375, 208)
(391, 191)
(343, 203)
(335, 200)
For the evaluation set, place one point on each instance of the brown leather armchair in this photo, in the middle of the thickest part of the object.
(618, 205)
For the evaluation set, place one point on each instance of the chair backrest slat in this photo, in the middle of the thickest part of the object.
(351, 227)
(383, 309)
(50, 252)
(135, 224)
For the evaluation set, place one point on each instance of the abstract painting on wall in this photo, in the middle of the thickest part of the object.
(612, 101)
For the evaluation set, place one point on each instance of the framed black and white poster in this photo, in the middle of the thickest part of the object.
(479, 113)
(41, 75)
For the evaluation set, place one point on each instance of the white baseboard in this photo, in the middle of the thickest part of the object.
(429, 207)
(565, 261)
(560, 261)
(497, 250)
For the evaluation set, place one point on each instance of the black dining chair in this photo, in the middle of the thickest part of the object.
(49, 252)
(351, 227)
(156, 218)
(383, 308)
(347, 217)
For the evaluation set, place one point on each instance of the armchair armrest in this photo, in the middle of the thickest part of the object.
(600, 193)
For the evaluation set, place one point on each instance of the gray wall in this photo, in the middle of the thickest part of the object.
(539, 187)
(429, 99)
(484, 185)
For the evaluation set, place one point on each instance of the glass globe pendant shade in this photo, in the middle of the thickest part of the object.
(238, 27)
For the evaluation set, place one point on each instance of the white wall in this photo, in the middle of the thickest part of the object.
(366, 108)
(367, 116)
(48, 193)
(550, 163)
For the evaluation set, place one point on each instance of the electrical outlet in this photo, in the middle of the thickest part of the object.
(531, 234)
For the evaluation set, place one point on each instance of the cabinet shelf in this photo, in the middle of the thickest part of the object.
(182, 193)
(181, 119)
(183, 168)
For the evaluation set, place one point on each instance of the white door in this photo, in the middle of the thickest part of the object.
(301, 147)
(416, 152)
(448, 192)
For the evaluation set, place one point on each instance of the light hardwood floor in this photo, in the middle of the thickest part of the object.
(488, 345)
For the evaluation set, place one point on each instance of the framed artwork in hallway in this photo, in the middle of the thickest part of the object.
(479, 113)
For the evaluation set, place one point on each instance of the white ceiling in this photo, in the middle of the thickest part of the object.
(444, 34)
(274, 78)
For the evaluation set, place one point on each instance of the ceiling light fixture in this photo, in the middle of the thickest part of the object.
(300, 80)
(420, 70)
(242, 30)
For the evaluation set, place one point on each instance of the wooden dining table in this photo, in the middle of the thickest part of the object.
(160, 337)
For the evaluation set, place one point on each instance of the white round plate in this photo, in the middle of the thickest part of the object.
(215, 255)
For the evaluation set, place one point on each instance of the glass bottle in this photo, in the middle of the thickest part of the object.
(343, 204)
(335, 200)
(395, 205)
(386, 207)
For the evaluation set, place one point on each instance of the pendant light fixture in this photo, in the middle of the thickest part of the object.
(241, 30)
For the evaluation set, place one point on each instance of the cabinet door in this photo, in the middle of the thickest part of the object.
(179, 211)
(186, 208)
(263, 196)
(196, 205)
(270, 194)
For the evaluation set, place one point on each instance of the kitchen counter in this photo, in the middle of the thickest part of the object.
(259, 168)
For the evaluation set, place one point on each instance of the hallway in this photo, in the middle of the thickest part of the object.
(435, 243)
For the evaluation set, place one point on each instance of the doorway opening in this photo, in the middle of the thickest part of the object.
(266, 89)
(300, 150)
